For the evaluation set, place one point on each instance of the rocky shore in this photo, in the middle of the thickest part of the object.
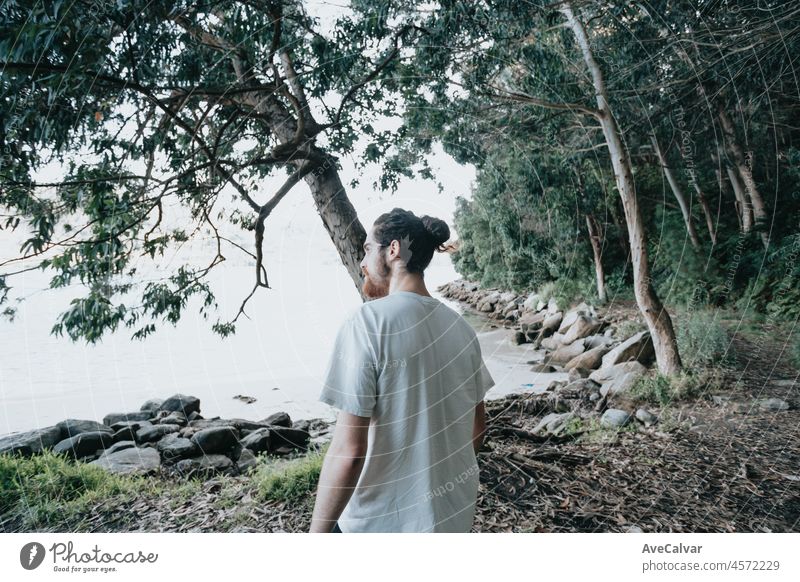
(171, 436)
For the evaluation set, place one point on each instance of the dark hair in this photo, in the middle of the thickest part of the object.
(426, 233)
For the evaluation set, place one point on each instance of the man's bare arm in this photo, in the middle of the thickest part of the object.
(479, 427)
(341, 469)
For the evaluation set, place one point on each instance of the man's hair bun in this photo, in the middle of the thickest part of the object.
(438, 230)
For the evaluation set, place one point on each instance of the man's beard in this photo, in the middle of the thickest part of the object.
(375, 289)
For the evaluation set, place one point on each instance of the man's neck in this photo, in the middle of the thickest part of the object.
(412, 283)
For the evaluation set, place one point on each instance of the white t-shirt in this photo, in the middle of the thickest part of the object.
(414, 366)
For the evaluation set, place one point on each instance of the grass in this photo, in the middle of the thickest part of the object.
(703, 341)
(664, 390)
(288, 479)
(48, 488)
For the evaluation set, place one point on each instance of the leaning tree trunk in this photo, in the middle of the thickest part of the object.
(657, 318)
(706, 210)
(742, 203)
(745, 173)
(678, 192)
(596, 237)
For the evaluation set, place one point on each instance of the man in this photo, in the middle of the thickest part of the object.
(409, 380)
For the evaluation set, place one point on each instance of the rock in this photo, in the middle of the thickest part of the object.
(531, 302)
(572, 315)
(581, 387)
(594, 341)
(148, 434)
(174, 447)
(646, 417)
(638, 347)
(152, 405)
(567, 353)
(552, 307)
(291, 438)
(577, 373)
(239, 424)
(84, 444)
(257, 441)
(130, 460)
(589, 360)
(584, 326)
(174, 418)
(532, 321)
(518, 338)
(615, 418)
(220, 439)
(773, 404)
(115, 417)
(507, 297)
(246, 461)
(133, 424)
(119, 446)
(127, 433)
(30, 442)
(618, 379)
(205, 465)
(552, 343)
(73, 427)
(277, 419)
(543, 369)
(181, 403)
(553, 423)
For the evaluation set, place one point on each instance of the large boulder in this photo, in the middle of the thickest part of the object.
(174, 447)
(284, 439)
(618, 379)
(638, 347)
(73, 427)
(115, 417)
(206, 465)
(119, 446)
(566, 353)
(130, 460)
(85, 444)
(152, 405)
(219, 439)
(589, 360)
(30, 442)
(531, 302)
(257, 441)
(573, 314)
(181, 403)
(584, 326)
(149, 434)
(615, 418)
(277, 419)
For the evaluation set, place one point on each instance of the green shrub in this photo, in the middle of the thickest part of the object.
(663, 390)
(703, 341)
(288, 479)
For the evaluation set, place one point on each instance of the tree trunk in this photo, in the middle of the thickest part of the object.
(596, 237)
(745, 172)
(742, 203)
(706, 210)
(657, 318)
(678, 192)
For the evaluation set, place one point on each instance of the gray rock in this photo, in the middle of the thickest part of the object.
(567, 353)
(152, 405)
(257, 441)
(126, 433)
(646, 417)
(543, 369)
(130, 460)
(181, 403)
(174, 418)
(30, 442)
(284, 439)
(85, 444)
(205, 465)
(278, 419)
(590, 359)
(115, 417)
(246, 461)
(518, 338)
(119, 446)
(577, 373)
(583, 327)
(615, 418)
(173, 447)
(149, 434)
(594, 341)
(773, 404)
(638, 347)
(619, 378)
(72, 427)
(220, 439)
(134, 424)
(531, 302)
(239, 424)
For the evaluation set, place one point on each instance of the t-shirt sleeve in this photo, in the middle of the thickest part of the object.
(483, 379)
(351, 379)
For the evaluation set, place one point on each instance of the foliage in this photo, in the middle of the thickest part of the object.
(703, 341)
(664, 390)
(288, 479)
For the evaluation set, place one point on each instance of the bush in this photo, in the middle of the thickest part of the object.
(289, 479)
(702, 341)
(663, 390)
